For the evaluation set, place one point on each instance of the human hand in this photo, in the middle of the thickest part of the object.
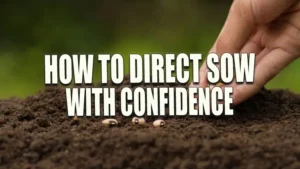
(268, 28)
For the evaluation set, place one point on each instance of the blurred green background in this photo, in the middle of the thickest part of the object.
(30, 29)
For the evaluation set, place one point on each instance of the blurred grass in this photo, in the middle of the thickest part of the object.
(34, 28)
(288, 78)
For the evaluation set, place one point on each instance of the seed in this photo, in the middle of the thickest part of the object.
(159, 123)
(137, 120)
(75, 118)
(110, 122)
(220, 84)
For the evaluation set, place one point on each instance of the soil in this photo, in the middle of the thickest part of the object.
(264, 133)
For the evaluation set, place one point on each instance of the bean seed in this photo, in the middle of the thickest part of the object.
(137, 120)
(110, 122)
(75, 118)
(220, 84)
(159, 123)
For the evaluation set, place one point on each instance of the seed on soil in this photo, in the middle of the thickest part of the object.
(137, 120)
(110, 122)
(159, 123)
(75, 118)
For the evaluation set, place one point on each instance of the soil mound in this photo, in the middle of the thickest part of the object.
(264, 133)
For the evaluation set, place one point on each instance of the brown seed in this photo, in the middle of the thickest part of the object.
(110, 122)
(220, 84)
(159, 123)
(75, 118)
(137, 120)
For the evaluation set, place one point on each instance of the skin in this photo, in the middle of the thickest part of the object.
(268, 28)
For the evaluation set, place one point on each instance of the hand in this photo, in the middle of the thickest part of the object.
(268, 28)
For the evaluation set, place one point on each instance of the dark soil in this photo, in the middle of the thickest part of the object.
(263, 134)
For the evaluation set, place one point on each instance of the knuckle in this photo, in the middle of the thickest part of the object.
(223, 44)
(244, 8)
(249, 10)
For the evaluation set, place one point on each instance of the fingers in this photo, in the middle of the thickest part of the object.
(239, 26)
(244, 16)
(269, 66)
(236, 31)
(268, 10)
(261, 54)
(204, 70)
(252, 46)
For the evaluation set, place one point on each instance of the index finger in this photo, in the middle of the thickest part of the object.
(237, 29)
(235, 33)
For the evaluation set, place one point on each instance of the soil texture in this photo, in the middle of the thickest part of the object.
(264, 133)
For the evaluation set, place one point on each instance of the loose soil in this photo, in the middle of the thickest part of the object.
(264, 133)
